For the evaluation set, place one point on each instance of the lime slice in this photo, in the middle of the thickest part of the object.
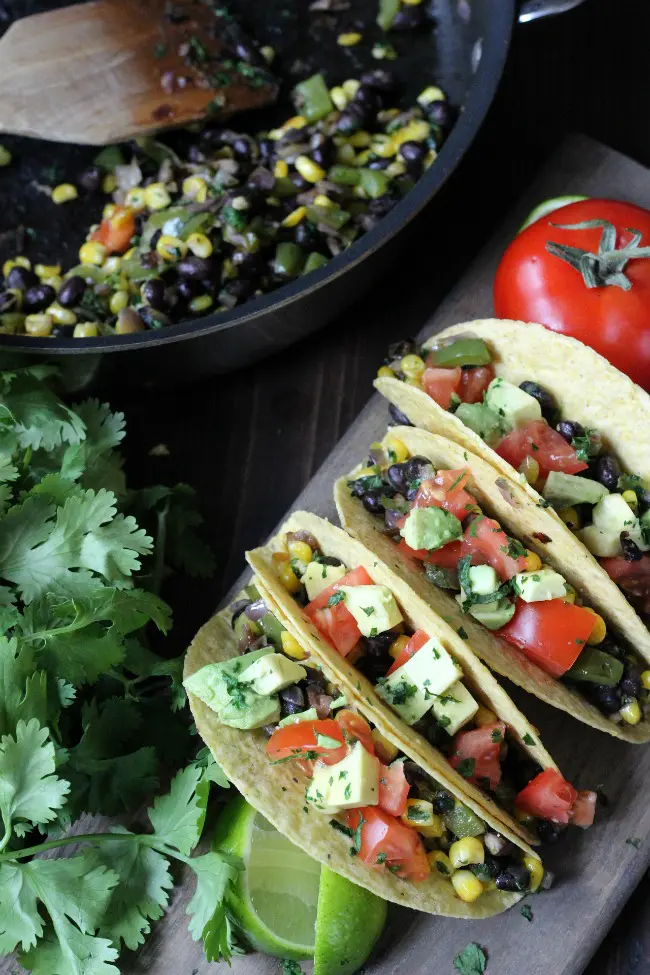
(350, 920)
(548, 206)
(276, 897)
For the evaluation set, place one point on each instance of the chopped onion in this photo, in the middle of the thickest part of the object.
(255, 611)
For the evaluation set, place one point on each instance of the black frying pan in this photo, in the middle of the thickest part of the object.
(464, 54)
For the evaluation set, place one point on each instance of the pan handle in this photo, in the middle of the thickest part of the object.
(535, 9)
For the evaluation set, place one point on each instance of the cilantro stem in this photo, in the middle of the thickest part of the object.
(159, 550)
(147, 839)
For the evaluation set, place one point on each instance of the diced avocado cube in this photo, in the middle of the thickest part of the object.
(492, 615)
(250, 712)
(209, 683)
(512, 405)
(482, 420)
(430, 528)
(309, 715)
(373, 607)
(273, 673)
(564, 490)
(412, 688)
(600, 544)
(340, 702)
(318, 576)
(454, 708)
(483, 579)
(613, 515)
(539, 586)
(351, 783)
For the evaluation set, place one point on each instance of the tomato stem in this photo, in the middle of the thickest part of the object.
(607, 267)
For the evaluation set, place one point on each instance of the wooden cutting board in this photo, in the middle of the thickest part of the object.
(596, 871)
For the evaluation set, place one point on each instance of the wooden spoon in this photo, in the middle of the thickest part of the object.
(105, 71)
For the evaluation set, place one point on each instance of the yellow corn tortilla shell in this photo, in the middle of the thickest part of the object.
(485, 688)
(588, 389)
(513, 508)
(278, 792)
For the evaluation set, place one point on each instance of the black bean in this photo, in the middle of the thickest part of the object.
(382, 205)
(607, 470)
(188, 288)
(373, 667)
(195, 268)
(442, 801)
(630, 682)
(352, 118)
(631, 551)
(194, 154)
(330, 560)
(153, 292)
(379, 163)
(8, 301)
(378, 645)
(408, 18)
(21, 278)
(570, 429)
(609, 645)
(249, 265)
(91, 179)
(292, 700)
(239, 288)
(301, 185)
(323, 150)
(62, 331)
(307, 236)
(514, 878)
(607, 699)
(397, 476)
(242, 147)
(549, 832)
(380, 79)
(418, 468)
(368, 97)
(267, 149)
(643, 496)
(152, 317)
(315, 680)
(488, 870)
(440, 113)
(398, 417)
(39, 297)
(543, 397)
(371, 501)
(412, 151)
(71, 291)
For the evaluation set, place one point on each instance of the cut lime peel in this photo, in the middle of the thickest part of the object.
(349, 922)
(549, 206)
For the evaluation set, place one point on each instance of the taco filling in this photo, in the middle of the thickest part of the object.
(432, 517)
(397, 816)
(425, 686)
(608, 508)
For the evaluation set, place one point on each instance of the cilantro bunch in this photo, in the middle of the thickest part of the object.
(91, 717)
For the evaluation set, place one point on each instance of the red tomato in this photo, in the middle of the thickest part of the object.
(533, 285)
(385, 842)
(633, 578)
(115, 232)
(446, 490)
(474, 382)
(446, 557)
(414, 553)
(338, 626)
(356, 577)
(297, 740)
(583, 810)
(550, 633)
(356, 728)
(393, 788)
(545, 445)
(548, 796)
(416, 642)
(485, 537)
(440, 383)
(482, 745)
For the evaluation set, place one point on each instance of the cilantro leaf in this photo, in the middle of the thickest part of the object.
(215, 873)
(178, 817)
(23, 688)
(67, 951)
(472, 960)
(526, 912)
(39, 418)
(30, 791)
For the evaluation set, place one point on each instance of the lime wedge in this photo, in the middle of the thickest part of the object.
(548, 206)
(276, 897)
(350, 920)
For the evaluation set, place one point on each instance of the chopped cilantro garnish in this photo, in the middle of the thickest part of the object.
(334, 823)
(466, 767)
(528, 739)
(368, 610)
(634, 841)
(496, 735)
(472, 960)
(347, 792)
(526, 912)
(335, 598)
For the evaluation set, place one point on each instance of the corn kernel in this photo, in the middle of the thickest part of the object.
(281, 169)
(536, 871)
(570, 595)
(440, 861)
(414, 381)
(18, 298)
(412, 3)
(47, 270)
(384, 146)
(598, 630)
(385, 372)
(136, 198)
(63, 193)
(429, 95)
(300, 550)
(529, 469)
(295, 122)
(632, 500)
(128, 322)
(293, 219)
(321, 200)
(415, 131)
(196, 188)
(291, 647)
(339, 97)
(201, 303)
(466, 851)
(351, 87)
(39, 325)
(118, 301)
(362, 159)
(5, 156)
(112, 264)
(85, 330)
(360, 139)
(54, 282)
(645, 679)
(396, 168)
(288, 577)
(200, 245)
(346, 155)
(109, 183)
(62, 316)
(385, 750)
(533, 561)
(18, 261)
(108, 211)
(484, 716)
(630, 712)
(129, 254)
(157, 196)
(412, 365)
(570, 517)
(92, 252)
(171, 248)
(430, 158)
(467, 886)
(397, 646)
(397, 451)
(308, 169)
(419, 815)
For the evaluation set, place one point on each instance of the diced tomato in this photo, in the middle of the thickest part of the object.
(356, 577)
(414, 553)
(439, 384)
(446, 490)
(550, 633)
(446, 557)
(474, 382)
(416, 642)
(548, 796)
(482, 746)
(633, 578)
(485, 537)
(393, 788)
(338, 626)
(300, 740)
(116, 231)
(583, 810)
(545, 445)
(356, 728)
(430, 495)
(386, 843)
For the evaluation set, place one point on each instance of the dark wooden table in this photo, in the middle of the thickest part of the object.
(249, 442)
